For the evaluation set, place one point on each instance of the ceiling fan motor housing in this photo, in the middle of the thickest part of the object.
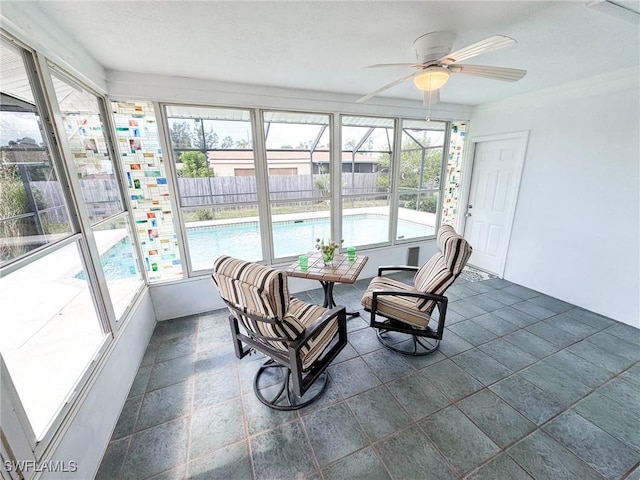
(432, 46)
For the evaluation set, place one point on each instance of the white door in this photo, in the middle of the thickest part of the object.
(495, 180)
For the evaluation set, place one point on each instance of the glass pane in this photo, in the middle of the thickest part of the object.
(85, 134)
(297, 225)
(451, 199)
(365, 220)
(120, 261)
(421, 156)
(49, 331)
(298, 147)
(417, 215)
(32, 207)
(148, 189)
(230, 230)
(367, 144)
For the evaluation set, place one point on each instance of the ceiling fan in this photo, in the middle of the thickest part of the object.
(437, 62)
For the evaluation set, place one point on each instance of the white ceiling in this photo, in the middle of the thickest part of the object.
(322, 46)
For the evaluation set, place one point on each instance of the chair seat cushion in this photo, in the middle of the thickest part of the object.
(306, 314)
(397, 307)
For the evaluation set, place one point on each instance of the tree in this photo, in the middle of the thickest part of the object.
(181, 135)
(195, 165)
(227, 142)
(410, 166)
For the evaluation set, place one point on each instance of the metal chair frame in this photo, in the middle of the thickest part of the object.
(296, 381)
(417, 334)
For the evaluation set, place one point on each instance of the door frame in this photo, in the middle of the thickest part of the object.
(523, 138)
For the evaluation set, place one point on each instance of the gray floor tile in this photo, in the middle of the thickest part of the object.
(128, 417)
(508, 354)
(498, 283)
(567, 389)
(481, 366)
(625, 393)
(520, 291)
(215, 427)
(534, 310)
(333, 433)
(387, 364)
(260, 417)
(514, 316)
(531, 343)
(464, 444)
(472, 332)
(504, 297)
(364, 341)
(353, 377)
(170, 329)
(452, 344)
(497, 419)
(467, 308)
(543, 457)
(550, 303)
(585, 316)
(209, 361)
(111, 465)
(558, 337)
(170, 372)
(453, 381)
(586, 371)
(616, 345)
(409, 454)
(229, 463)
(283, 452)
(176, 347)
(460, 291)
(593, 353)
(149, 357)
(379, 413)
(418, 395)
(593, 445)
(486, 302)
(362, 465)
(632, 375)
(495, 324)
(157, 449)
(177, 473)
(500, 468)
(163, 404)
(611, 417)
(572, 325)
(213, 388)
(535, 404)
(626, 332)
(347, 353)
(422, 361)
(140, 381)
(479, 287)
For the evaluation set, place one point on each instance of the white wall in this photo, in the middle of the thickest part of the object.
(89, 432)
(576, 228)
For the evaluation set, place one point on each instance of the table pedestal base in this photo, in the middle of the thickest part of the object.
(329, 302)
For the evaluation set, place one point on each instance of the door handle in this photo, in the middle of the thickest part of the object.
(467, 215)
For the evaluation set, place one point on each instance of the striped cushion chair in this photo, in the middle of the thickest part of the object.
(410, 325)
(300, 338)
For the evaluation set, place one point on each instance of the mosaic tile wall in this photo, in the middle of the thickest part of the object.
(450, 204)
(143, 166)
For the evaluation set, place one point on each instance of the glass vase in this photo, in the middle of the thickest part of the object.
(327, 257)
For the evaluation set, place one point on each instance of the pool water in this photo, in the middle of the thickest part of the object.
(243, 240)
(290, 238)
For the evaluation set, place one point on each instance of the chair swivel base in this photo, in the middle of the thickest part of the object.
(285, 398)
(414, 345)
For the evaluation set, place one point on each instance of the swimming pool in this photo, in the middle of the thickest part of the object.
(290, 238)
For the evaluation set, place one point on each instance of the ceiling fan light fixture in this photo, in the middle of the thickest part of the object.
(431, 79)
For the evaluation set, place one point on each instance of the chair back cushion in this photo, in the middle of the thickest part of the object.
(443, 268)
(258, 290)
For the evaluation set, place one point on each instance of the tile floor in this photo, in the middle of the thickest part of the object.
(523, 386)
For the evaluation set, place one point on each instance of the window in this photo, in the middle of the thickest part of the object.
(420, 178)
(367, 147)
(84, 124)
(50, 327)
(299, 193)
(218, 206)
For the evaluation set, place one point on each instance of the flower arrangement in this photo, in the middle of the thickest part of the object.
(328, 249)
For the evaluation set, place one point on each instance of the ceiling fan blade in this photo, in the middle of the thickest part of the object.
(384, 65)
(490, 44)
(485, 71)
(387, 86)
(431, 98)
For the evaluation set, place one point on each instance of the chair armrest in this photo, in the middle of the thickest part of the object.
(320, 324)
(405, 293)
(397, 268)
